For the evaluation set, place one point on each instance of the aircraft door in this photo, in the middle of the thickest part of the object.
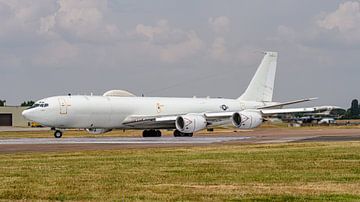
(63, 106)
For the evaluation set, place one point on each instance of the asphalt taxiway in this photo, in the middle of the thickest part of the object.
(258, 136)
(106, 143)
(122, 140)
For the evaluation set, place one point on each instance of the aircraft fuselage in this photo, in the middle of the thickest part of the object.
(111, 112)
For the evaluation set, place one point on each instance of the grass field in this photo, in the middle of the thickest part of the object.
(279, 172)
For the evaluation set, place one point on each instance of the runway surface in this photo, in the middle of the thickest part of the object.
(21, 129)
(122, 140)
(258, 136)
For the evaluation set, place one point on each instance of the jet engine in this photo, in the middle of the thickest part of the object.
(97, 131)
(190, 123)
(246, 119)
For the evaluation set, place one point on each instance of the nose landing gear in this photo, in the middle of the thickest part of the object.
(57, 134)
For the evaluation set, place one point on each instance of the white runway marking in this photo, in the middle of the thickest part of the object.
(122, 140)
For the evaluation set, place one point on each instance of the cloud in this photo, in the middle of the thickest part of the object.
(345, 20)
(181, 50)
(286, 32)
(56, 53)
(218, 50)
(220, 24)
(59, 33)
(19, 21)
(168, 43)
(236, 55)
(80, 21)
(150, 32)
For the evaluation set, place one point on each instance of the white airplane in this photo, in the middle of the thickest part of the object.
(119, 109)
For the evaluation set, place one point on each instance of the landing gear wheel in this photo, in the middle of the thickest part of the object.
(176, 133)
(151, 133)
(146, 133)
(158, 133)
(180, 134)
(57, 134)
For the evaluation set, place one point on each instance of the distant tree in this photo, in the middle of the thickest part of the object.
(2, 103)
(339, 113)
(27, 104)
(354, 111)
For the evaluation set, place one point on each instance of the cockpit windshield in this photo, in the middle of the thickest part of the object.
(39, 104)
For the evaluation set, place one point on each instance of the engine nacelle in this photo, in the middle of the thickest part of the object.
(97, 131)
(246, 119)
(190, 123)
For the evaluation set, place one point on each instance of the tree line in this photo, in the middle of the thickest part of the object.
(24, 104)
(354, 111)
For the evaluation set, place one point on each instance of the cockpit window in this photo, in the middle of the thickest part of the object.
(41, 104)
(34, 106)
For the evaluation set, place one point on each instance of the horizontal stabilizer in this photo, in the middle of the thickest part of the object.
(298, 110)
(280, 105)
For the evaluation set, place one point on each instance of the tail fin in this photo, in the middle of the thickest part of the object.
(262, 84)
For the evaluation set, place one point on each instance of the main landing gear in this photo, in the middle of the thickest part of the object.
(151, 133)
(180, 134)
(57, 134)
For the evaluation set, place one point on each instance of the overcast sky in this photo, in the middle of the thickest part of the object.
(178, 48)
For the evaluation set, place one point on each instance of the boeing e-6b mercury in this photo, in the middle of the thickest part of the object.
(118, 109)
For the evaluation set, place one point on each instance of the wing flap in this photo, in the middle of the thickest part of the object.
(150, 122)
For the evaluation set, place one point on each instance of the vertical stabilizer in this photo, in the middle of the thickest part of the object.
(261, 86)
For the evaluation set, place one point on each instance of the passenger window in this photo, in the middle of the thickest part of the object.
(46, 105)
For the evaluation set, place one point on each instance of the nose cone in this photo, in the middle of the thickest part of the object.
(27, 114)
(37, 115)
(24, 114)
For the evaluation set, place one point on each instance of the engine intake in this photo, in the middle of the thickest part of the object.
(190, 123)
(246, 119)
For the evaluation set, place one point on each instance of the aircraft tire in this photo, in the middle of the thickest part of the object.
(57, 134)
(158, 133)
(180, 134)
(146, 133)
(151, 133)
(176, 133)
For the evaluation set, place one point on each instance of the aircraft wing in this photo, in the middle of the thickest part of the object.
(151, 122)
(213, 118)
(216, 118)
